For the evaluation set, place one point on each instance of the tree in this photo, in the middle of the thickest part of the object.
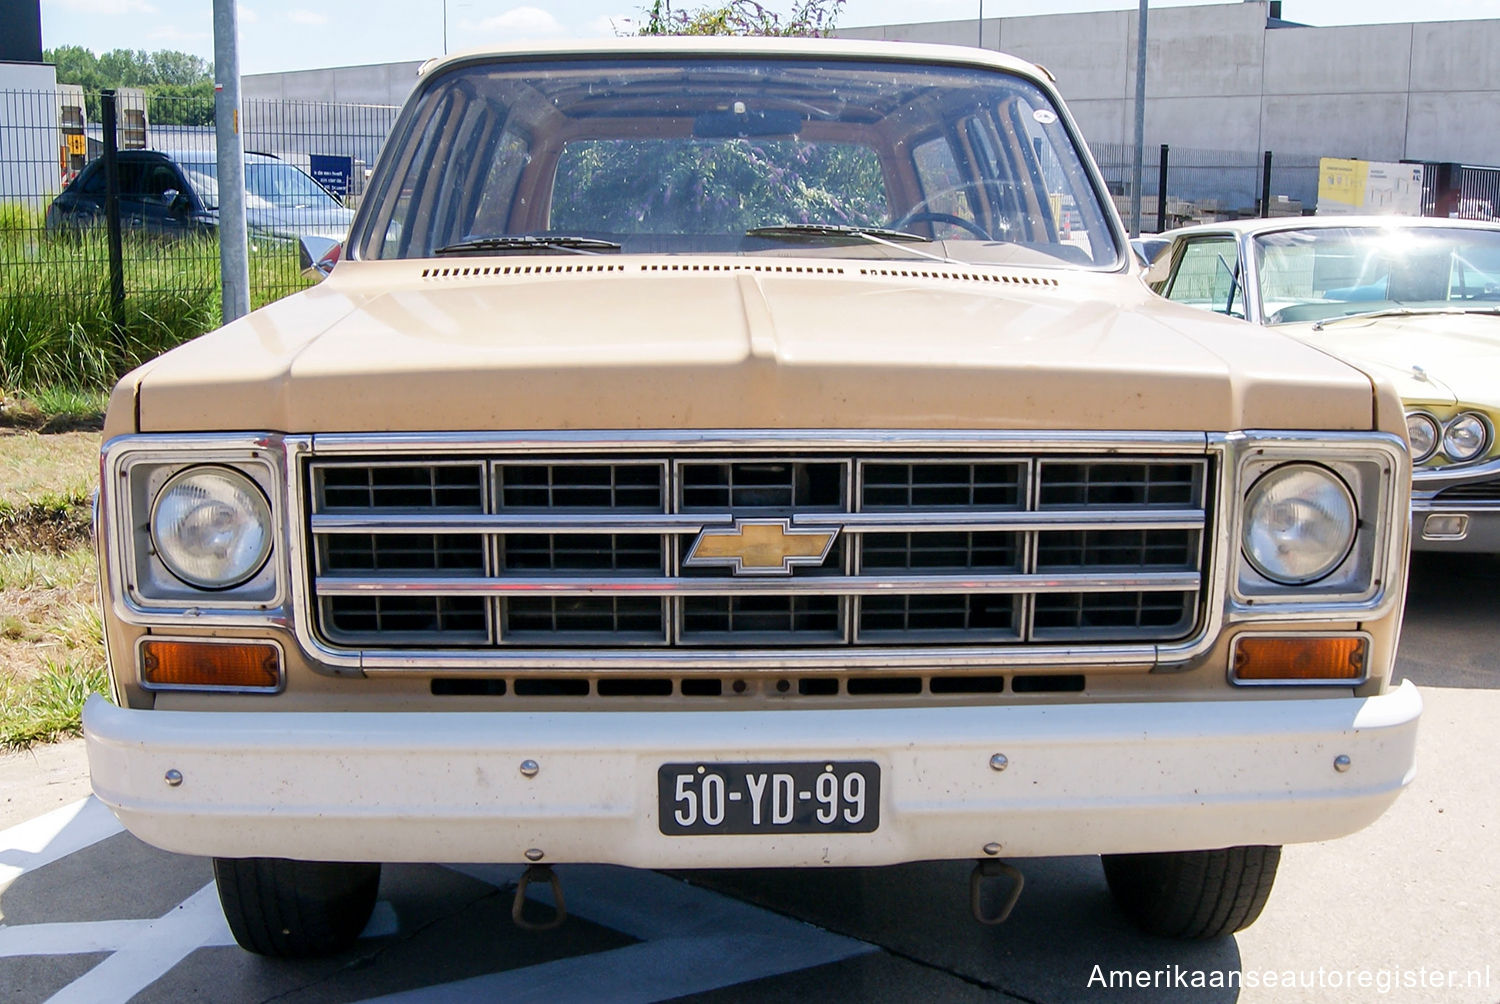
(807, 18)
(179, 86)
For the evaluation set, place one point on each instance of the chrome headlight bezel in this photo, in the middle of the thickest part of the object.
(143, 589)
(1486, 437)
(1376, 470)
(255, 515)
(1421, 455)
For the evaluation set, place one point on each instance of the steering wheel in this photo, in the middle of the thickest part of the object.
(920, 215)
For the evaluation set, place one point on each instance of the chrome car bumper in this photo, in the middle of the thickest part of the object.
(436, 786)
(1456, 509)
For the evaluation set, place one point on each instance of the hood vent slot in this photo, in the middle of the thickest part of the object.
(927, 273)
(492, 271)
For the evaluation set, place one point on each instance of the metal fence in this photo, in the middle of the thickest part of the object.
(1200, 184)
(306, 165)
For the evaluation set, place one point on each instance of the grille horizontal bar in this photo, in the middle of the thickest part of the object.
(850, 585)
(936, 550)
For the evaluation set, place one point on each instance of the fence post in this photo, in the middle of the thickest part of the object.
(109, 118)
(1265, 187)
(1161, 192)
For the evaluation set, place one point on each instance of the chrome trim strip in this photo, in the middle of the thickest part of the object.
(907, 521)
(1456, 506)
(807, 585)
(825, 440)
(874, 522)
(529, 523)
(1434, 479)
(1011, 655)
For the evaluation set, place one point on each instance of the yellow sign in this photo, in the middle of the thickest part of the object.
(78, 145)
(761, 547)
(1343, 181)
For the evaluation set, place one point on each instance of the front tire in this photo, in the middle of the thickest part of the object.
(295, 909)
(1193, 894)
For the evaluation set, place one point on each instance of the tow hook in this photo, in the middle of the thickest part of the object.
(988, 870)
(539, 873)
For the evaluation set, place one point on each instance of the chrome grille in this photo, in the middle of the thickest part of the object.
(568, 553)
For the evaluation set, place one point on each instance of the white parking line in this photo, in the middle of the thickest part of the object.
(30, 845)
(693, 941)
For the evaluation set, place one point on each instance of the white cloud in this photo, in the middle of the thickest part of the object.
(106, 6)
(522, 23)
(307, 17)
(248, 15)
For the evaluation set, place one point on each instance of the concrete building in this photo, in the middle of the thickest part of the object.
(1223, 83)
(1229, 77)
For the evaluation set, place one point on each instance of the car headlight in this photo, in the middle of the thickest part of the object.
(211, 527)
(1423, 431)
(1299, 523)
(1466, 437)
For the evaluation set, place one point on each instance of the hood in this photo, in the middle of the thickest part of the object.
(292, 222)
(609, 342)
(1435, 358)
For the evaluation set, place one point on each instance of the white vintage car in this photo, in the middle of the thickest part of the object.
(719, 453)
(1412, 301)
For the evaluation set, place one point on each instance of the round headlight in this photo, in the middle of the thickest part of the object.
(211, 527)
(1299, 523)
(1466, 437)
(1424, 434)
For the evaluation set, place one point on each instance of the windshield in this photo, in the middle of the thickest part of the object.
(770, 156)
(1319, 274)
(267, 184)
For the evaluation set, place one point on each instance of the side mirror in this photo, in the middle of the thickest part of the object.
(318, 255)
(1160, 268)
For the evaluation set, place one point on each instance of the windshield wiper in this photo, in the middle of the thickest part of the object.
(838, 231)
(529, 242)
(1403, 312)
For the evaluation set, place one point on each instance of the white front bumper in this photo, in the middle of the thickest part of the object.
(1081, 779)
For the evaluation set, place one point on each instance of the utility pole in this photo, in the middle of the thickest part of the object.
(981, 24)
(234, 256)
(1140, 121)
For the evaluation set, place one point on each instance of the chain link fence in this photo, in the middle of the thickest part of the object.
(71, 310)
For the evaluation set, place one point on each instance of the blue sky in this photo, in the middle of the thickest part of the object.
(303, 34)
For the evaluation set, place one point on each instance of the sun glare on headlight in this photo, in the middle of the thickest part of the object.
(1299, 524)
(211, 527)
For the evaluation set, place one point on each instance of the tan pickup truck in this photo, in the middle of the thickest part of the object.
(746, 453)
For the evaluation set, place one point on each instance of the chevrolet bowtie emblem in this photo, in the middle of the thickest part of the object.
(761, 547)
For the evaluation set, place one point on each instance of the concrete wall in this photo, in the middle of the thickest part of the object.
(30, 140)
(376, 84)
(1217, 78)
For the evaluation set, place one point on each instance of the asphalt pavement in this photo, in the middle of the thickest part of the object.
(1406, 910)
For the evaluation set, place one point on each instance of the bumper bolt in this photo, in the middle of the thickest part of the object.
(999, 761)
(1341, 763)
(174, 777)
(529, 768)
(992, 849)
(534, 854)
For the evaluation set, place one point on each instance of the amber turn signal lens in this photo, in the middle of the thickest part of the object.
(1293, 657)
(210, 664)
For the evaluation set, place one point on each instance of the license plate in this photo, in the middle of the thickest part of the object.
(820, 797)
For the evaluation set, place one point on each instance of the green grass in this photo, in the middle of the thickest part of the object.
(58, 323)
(48, 707)
(51, 644)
